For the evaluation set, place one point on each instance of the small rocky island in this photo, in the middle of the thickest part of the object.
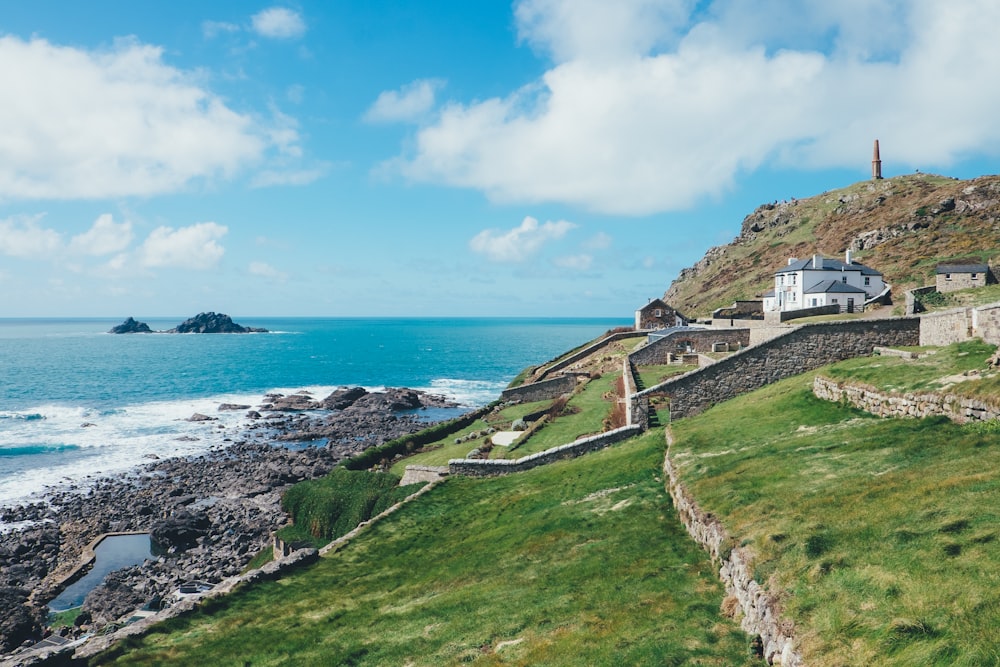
(201, 323)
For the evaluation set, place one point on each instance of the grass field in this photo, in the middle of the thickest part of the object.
(583, 562)
(881, 534)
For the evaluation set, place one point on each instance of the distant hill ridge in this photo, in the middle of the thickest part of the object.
(902, 226)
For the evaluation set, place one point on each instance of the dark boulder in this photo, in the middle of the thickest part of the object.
(213, 323)
(131, 326)
(181, 530)
(17, 622)
(342, 398)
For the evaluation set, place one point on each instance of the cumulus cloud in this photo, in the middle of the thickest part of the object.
(278, 23)
(265, 270)
(103, 238)
(652, 105)
(193, 247)
(518, 244)
(409, 103)
(115, 122)
(599, 241)
(24, 238)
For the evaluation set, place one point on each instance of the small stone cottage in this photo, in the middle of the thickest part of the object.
(658, 315)
(951, 277)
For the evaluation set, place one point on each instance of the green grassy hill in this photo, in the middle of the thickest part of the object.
(902, 226)
(583, 562)
(881, 535)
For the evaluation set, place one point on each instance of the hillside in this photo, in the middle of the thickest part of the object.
(902, 226)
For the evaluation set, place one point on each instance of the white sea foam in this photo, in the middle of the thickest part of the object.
(57, 445)
(467, 393)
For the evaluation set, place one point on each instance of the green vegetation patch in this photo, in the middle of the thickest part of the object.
(881, 534)
(650, 376)
(331, 506)
(937, 368)
(583, 415)
(582, 562)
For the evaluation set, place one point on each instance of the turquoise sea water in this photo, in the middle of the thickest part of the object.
(77, 402)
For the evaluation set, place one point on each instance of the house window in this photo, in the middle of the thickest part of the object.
(868, 280)
(815, 302)
(947, 276)
(657, 313)
(781, 280)
(844, 280)
(975, 275)
(833, 300)
(794, 276)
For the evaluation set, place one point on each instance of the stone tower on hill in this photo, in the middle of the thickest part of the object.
(876, 164)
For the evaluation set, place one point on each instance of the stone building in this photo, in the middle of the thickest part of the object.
(658, 315)
(951, 277)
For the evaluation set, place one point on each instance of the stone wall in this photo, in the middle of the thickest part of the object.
(541, 391)
(797, 351)
(946, 327)
(960, 409)
(494, 467)
(761, 609)
(952, 282)
(832, 309)
(700, 339)
(583, 353)
(953, 326)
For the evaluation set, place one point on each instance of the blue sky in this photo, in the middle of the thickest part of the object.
(449, 158)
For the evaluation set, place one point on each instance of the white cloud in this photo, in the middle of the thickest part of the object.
(116, 122)
(520, 243)
(265, 270)
(278, 23)
(409, 103)
(23, 237)
(576, 262)
(651, 107)
(103, 238)
(210, 29)
(192, 247)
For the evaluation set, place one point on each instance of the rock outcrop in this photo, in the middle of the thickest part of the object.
(130, 325)
(212, 323)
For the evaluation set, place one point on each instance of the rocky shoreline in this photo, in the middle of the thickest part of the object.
(210, 514)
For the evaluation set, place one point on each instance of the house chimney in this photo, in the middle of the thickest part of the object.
(817, 261)
(876, 163)
(847, 257)
(792, 260)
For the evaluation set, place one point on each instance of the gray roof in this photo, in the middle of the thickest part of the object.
(963, 268)
(828, 264)
(768, 293)
(833, 287)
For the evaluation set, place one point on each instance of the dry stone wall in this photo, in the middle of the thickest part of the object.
(953, 326)
(802, 349)
(701, 340)
(585, 352)
(761, 609)
(494, 467)
(541, 391)
(960, 409)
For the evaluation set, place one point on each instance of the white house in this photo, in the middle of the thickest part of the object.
(821, 281)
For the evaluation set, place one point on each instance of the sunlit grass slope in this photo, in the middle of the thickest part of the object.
(582, 562)
(881, 533)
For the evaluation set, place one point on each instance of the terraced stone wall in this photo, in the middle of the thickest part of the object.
(802, 349)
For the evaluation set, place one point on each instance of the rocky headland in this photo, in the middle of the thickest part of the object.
(201, 323)
(208, 515)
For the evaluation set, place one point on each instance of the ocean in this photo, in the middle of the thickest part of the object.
(77, 403)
